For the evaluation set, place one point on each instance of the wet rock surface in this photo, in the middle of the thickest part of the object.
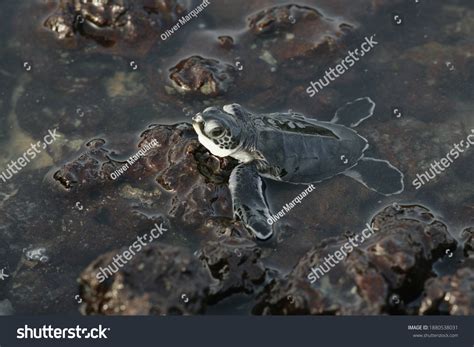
(468, 235)
(383, 275)
(158, 280)
(450, 295)
(289, 41)
(204, 76)
(95, 214)
(189, 178)
(121, 24)
(235, 264)
(192, 177)
(302, 32)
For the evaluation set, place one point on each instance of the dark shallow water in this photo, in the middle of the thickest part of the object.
(423, 67)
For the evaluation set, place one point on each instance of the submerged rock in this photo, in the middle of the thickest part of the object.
(452, 294)
(88, 168)
(468, 235)
(278, 19)
(158, 280)
(127, 26)
(386, 272)
(235, 265)
(285, 46)
(190, 178)
(203, 76)
(302, 31)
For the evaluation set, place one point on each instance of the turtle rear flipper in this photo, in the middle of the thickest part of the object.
(355, 112)
(248, 201)
(378, 175)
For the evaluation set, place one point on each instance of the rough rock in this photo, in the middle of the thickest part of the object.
(158, 280)
(235, 265)
(302, 32)
(468, 235)
(452, 294)
(86, 213)
(198, 75)
(382, 275)
(192, 181)
(127, 26)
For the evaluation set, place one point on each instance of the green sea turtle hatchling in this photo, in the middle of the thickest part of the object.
(291, 148)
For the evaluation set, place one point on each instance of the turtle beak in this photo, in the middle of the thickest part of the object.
(198, 123)
(198, 118)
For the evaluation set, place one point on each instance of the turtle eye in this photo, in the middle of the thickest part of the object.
(216, 132)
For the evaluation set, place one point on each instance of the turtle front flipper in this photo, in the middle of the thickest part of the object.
(378, 175)
(355, 112)
(248, 200)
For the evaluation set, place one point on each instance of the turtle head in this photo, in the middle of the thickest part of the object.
(220, 131)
